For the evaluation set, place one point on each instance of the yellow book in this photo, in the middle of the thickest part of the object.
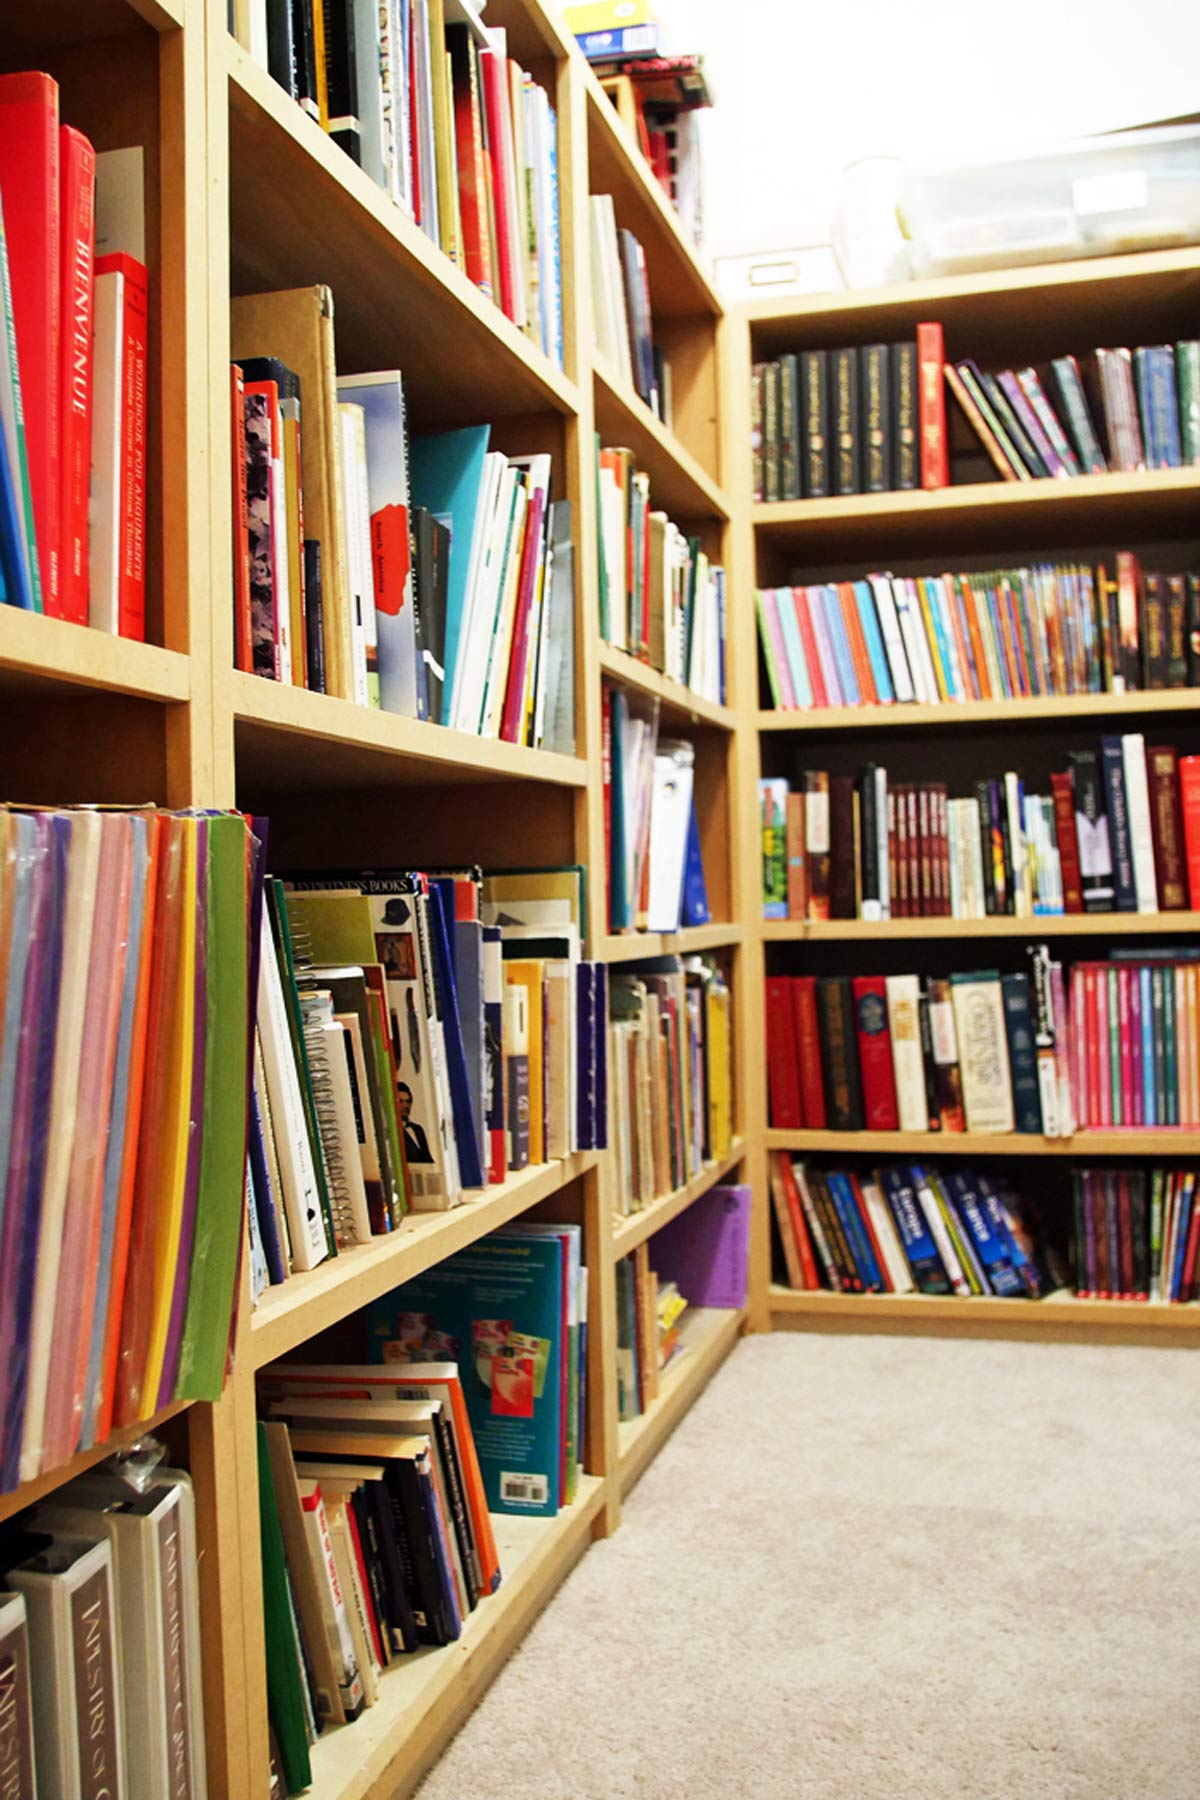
(935, 656)
(528, 975)
(607, 15)
(720, 1095)
(443, 132)
(177, 1132)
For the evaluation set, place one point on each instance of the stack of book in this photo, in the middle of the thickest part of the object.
(418, 1035)
(986, 1052)
(871, 418)
(73, 368)
(445, 122)
(996, 635)
(1119, 831)
(660, 598)
(433, 578)
(1134, 1234)
(670, 1075)
(655, 870)
(100, 1640)
(623, 325)
(125, 967)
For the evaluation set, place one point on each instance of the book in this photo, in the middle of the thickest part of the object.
(931, 406)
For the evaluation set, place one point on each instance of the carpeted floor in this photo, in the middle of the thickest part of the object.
(880, 1569)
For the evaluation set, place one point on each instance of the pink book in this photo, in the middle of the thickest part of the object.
(775, 633)
(1126, 1047)
(804, 620)
(1102, 1108)
(826, 654)
(1137, 1116)
(77, 230)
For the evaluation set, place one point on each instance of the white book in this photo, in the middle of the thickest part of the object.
(254, 32)
(83, 865)
(670, 815)
(369, 79)
(612, 528)
(71, 1610)
(908, 1063)
(335, 1617)
(301, 1198)
(1141, 840)
(884, 1227)
(104, 496)
(983, 1052)
(339, 1051)
(915, 647)
(357, 513)
(537, 470)
(381, 399)
(461, 676)
(346, 1564)
(893, 640)
(499, 651)
(939, 1231)
(487, 601)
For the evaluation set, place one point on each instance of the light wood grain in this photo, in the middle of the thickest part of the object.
(633, 946)
(1108, 925)
(679, 706)
(956, 715)
(708, 1334)
(1058, 1316)
(1169, 1141)
(39, 654)
(679, 484)
(628, 1232)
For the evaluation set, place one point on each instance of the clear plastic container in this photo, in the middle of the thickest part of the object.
(1133, 190)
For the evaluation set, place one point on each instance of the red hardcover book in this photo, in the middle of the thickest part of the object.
(77, 220)
(494, 73)
(901, 903)
(1189, 793)
(606, 773)
(941, 810)
(29, 187)
(243, 638)
(864, 1213)
(880, 1109)
(1166, 826)
(783, 1068)
(472, 166)
(808, 1045)
(808, 1261)
(1068, 842)
(916, 909)
(1191, 1256)
(513, 717)
(808, 638)
(131, 603)
(925, 856)
(1125, 1044)
(893, 858)
(931, 406)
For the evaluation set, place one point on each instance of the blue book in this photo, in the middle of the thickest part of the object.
(470, 1164)
(15, 588)
(797, 666)
(1022, 1053)
(944, 641)
(1187, 1201)
(1149, 1117)
(466, 941)
(1117, 806)
(864, 599)
(601, 1056)
(844, 1199)
(446, 475)
(1158, 402)
(836, 627)
(585, 1055)
(991, 1245)
(695, 891)
(916, 1240)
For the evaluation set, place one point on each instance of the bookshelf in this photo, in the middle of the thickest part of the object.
(246, 194)
(999, 314)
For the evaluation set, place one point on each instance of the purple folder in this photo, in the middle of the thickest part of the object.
(706, 1249)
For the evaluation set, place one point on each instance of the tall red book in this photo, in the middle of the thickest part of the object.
(472, 163)
(493, 70)
(931, 407)
(29, 185)
(808, 1048)
(787, 1113)
(77, 222)
(117, 550)
(1189, 791)
(1067, 838)
(880, 1108)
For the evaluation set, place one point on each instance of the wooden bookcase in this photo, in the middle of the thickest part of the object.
(1030, 313)
(245, 193)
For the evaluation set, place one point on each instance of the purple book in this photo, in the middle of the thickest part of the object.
(706, 1250)
(601, 1017)
(1033, 425)
(585, 1040)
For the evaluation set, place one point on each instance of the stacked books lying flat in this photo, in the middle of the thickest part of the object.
(698, 1260)
(123, 1077)
(667, 93)
(379, 1480)
(623, 326)
(418, 1035)
(999, 635)
(652, 837)
(73, 370)
(1119, 831)
(872, 418)
(670, 1075)
(986, 1052)
(100, 1639)
(910, 1228)
(445, 122)
(660, 598)
(433, 579)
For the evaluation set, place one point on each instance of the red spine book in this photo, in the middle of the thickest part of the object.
(606, 773)
(1068, 842)
(942, 798)
(1125, 1044)
(864, 1213)
(783, 1068)
(472, 171)
(808, 1044)
(77, 219)
(1191, 1256)
(808, 1261)
(893, 860)
(925, 856)
(916, 908)
(29, 187)
(1189, 793)
(1166, 825)
(131, 603)
(243, 635)
(931, 407)
(531, 574)
(901, 904)
(493, 71)
(809, 640)
(880, 1109)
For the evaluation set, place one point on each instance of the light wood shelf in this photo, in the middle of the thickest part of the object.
(633, 946)
(39, 1486)
(956, 714)
(424, 1696)
(41, 654)
(309, 1302)
(631, 1229)
(679, 486)
(1111, 925)
(1169, 1141)
(680, 707)
(709, 1334)
(1058, 1314)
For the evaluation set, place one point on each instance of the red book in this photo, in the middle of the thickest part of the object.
(880, 1109)
(893, 861)
(1063, 790)
(494, 73)
(513, 716)
(130, 502)
(606, 772)
(809, 640)
(941, 799)
(77, 219)
(808, 1045)
(783, 1070)
(858, 644)
(799, 1223)
(243, 638)
(472, 170)
(916, 907)
(1125, 1044)
(29, 188)
(1191, 1256)
(931, 407)
(864, 1213)
(1189, 793)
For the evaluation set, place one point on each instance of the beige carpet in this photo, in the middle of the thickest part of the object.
(880, 1569)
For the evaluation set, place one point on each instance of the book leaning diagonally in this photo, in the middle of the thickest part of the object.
(301, 1198)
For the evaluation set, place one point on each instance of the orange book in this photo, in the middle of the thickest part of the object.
(940, 674)
(960, 642)
(1010, 610)
(978, 423)
(858, 644)
(808, 1261)
(797, 858)
(983, 678)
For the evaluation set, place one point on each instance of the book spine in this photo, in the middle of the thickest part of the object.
(758, 461)
(1189, 793)
(1067, 841)
(131, 604)
(770, 430)
(875, 1053)
(789, 428)
(902, 387)
(839, 1060)
(1079, 421)
(1166, 823)
(1112, 760)
(1187, 373)
(77, 226)
(848, 478)
(931, 407)
(814, 380)
(986, 430)
(876, 419)
(1022, 1053)
(1152, 631)
(797, 858)
(1177, 635)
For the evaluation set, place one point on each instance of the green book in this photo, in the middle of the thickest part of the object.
(1187, 369)
(285, 1680)
(601, 565)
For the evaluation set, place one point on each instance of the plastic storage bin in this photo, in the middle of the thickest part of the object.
(1134, 190)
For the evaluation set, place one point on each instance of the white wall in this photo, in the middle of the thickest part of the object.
(802, 89)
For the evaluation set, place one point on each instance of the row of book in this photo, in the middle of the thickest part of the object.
(871, 418)
(73, 368)
(623, 325)
(670, 1075)
(440, 117)
(100, 1639)
(652, 837)
(125, 970)
(661, 600)
(378, 1481)
(418, 1035)
(1134, 1031)
(1134, 1235)
(433, 579)
(1119, 831)
(997, 635)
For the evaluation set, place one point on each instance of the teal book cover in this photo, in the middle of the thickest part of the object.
(496, 1310)
(446, 474)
